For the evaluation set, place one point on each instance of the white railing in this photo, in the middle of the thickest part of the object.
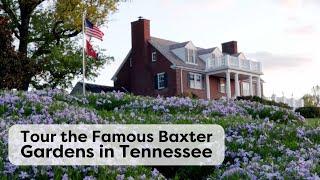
(228, 61)
(295, 103)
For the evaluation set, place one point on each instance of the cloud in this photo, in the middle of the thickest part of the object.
(292, 4)
(302, 30)
(180, 6)
(272, 61)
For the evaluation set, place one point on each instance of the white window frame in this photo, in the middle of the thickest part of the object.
(222, 85)
(245, 88)
(159, 76)
(195, 81)
(154, 56)
(191, 53)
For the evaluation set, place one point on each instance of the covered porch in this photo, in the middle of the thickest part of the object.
(233, 83)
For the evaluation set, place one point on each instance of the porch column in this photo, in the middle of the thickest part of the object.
(208, 86)
(228, 86)
(237, 86)
(250, 86)
(259, 86)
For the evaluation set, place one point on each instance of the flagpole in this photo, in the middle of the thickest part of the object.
(83, 53)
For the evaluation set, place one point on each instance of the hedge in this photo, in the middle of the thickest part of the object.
(309, 112)
(264, 101)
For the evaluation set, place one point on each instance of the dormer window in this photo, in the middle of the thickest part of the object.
(190, 59)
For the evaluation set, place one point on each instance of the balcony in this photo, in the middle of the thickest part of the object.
(227, 61)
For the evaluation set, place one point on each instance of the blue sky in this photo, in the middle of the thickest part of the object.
(283, 34)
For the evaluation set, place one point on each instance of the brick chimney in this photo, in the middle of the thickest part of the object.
(140, 75)
(140, 33)
(230, 47)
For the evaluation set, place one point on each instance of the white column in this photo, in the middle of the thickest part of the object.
(228, 85)
(259, 86)
(250, 86)
(208, 86)
(236, 85)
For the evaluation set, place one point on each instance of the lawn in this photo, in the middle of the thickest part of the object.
(261, 141)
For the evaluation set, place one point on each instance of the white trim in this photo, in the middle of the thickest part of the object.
(158, 82)
(187, 68)
(181, 82)
(153, 59)
(121, 65)
(193, 55)
(196, 76)
(208, 86)
(228, 85)
(220, 90)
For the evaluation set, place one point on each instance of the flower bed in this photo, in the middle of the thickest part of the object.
(262, 141)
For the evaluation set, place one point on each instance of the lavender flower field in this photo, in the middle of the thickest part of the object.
(262, 142)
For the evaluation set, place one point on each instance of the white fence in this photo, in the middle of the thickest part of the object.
(295, 103)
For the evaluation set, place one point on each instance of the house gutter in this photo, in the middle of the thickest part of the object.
(181, 82)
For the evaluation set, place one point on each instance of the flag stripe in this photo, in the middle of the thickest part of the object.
(92, 35)
(92, 30)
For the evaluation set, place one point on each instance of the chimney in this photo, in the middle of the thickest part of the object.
(140, 33)
(230, 47)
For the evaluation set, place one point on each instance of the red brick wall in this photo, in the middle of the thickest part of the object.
(200, 93)
(161, 65)
(139, 79)
(214, 87)
(123, 77)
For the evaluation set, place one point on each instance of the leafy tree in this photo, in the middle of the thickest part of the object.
(313, 99)
(316, 94)
(12, 65)
(47, 33)
(308, 100)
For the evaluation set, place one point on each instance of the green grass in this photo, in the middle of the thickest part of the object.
(313, 122)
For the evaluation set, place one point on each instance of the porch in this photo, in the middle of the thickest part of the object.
(233, 83)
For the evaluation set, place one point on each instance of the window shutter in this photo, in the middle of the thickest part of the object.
(156, 81)
(165, 80)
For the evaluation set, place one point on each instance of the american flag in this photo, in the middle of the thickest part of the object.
(92, 30)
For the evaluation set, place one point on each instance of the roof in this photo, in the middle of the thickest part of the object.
(178, 45)
(206, 51)
(165, 46)
(94, 88)
(121, 65)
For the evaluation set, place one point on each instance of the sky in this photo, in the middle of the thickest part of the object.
(284, 35)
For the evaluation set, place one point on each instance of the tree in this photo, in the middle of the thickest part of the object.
(313, 99)
(316, 94)
(308, 100)
(47, 32)
(12, 65)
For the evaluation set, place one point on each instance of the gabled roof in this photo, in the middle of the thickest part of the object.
(178, 45)
(121, 65)
(94, 88)
(206, 51)
(164, 47)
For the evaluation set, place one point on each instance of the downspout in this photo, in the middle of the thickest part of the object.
(181, 81)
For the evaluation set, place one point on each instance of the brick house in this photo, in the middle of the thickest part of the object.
(156, 66)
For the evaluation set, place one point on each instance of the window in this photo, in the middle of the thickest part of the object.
(191, 56)
(195, 81)
(245, 89)
(222, 85)
(161, 81)
(154, 56)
